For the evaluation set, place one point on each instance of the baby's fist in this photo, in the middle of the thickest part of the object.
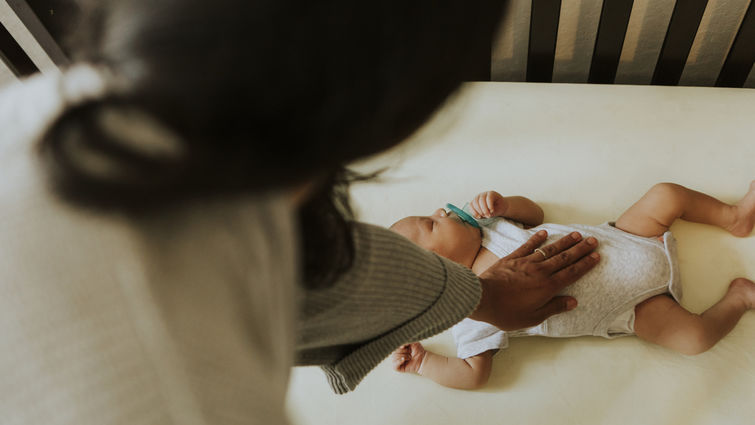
(408, 357)
(489, 204)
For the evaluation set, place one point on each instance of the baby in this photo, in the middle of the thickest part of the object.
(633, 290)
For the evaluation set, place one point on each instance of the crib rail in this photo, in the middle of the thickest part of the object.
(684, 42)
(661, 42)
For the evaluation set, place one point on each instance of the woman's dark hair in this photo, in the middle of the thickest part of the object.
(256, 95)
(325, 221)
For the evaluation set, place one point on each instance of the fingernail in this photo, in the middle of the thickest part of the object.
(571, 303)
(592, 241)
(576, 236)
(541, 233)
(595, 255)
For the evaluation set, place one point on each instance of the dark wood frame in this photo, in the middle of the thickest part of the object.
(14, 55)
(46, 21)
(614, 19)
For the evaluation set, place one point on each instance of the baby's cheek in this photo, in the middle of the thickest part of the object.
(473, 239)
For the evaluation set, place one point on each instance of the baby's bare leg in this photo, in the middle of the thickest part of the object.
(662, 321)
(654, 213)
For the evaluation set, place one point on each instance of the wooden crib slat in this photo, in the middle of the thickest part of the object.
(542, 47)
(14, 56)
(741, 56)
(614, 18)
(678, 42)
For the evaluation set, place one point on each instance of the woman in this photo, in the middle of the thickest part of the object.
(159, 200)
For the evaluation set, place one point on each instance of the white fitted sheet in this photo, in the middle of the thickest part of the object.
(585, 153)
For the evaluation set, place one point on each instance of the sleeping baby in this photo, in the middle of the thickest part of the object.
(634, 290)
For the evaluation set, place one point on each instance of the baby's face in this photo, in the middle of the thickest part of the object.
(443, 233)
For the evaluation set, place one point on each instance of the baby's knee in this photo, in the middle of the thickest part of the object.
(694, 339)
(665, 190)
(667, 201)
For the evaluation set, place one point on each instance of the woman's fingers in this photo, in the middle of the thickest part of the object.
(561, 259)
(552, 250)
(520, 292)
(555, 306)
(568, 275)
(526, 249)
(566, 260)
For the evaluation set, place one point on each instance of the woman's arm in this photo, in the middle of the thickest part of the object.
(518, 208)
(465, 374)
(396, 292)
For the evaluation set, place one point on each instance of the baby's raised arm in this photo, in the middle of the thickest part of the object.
(518, 208)
(466, 374)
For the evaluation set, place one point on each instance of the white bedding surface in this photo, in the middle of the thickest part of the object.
(585, 153)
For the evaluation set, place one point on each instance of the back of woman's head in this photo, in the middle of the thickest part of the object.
(254, 95)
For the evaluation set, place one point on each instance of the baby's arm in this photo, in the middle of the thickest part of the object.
(466, 374)
(518, 208)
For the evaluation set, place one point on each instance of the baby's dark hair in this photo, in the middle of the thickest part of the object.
(259, 94)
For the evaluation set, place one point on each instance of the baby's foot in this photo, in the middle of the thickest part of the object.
(744, 211)
(745, 289)
(408, 357)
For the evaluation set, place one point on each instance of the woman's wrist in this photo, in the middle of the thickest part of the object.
(479, 312)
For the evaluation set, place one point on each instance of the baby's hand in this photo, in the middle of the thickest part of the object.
(408, 357)
(489, 204)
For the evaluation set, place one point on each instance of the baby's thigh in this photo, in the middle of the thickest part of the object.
(662, 321)
(654, 213)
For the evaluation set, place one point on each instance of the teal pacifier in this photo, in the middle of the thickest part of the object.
(462, 215)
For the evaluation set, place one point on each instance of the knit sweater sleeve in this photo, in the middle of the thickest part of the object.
(394, 293)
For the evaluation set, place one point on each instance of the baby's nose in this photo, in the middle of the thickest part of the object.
(440, 212)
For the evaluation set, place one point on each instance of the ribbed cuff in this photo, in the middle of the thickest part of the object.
(459, 297)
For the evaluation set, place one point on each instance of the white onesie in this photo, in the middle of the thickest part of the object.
(631, 269)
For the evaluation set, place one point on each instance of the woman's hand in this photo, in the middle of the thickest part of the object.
(489, 204)
(519, 290)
